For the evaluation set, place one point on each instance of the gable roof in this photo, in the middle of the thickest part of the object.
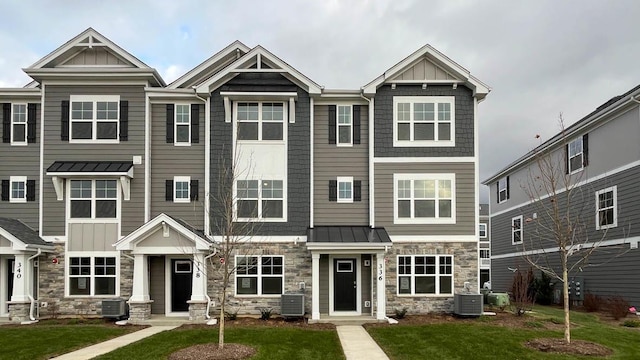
(459, 73)
(185, 229)
(21, 235)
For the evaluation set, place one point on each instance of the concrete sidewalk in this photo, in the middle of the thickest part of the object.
(358, 345)
(110, 345)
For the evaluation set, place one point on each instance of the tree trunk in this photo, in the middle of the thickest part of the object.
(565, 294)
(221, 325)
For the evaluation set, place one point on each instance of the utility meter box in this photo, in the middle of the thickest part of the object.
(576, 288)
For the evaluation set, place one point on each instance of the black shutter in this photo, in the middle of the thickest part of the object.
(168, 195)
(5, 190)
(6, 123)
(193, 189)
(31, 123)
(64, 120)
(170, 124)
(195, 123)
(332, 124)
(31, 190)
(566, 158)
(498, 191)
(585, 149)
(124, 120)
(333, 190)
(357, 190)
(356, 124)
(507, 187)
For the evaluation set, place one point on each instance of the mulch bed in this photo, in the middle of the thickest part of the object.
(576, 347)
(273, 322)
(211, 352)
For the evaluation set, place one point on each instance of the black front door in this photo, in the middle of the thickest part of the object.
(181, 279)
(344, 285)
(10, 270)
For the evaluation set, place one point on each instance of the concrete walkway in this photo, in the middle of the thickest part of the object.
(358, 345)
(110, 345)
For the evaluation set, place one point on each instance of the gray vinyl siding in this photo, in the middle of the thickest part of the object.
(132, 214)
(169, 161)
(464, 119)
(366, 284)
(464, 192)
(324, 284)
(157, 284)
(298, 142)
(584, 206)
(331, 161)
(21, 161)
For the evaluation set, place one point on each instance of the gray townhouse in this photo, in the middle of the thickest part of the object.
(597, 159)
(363, 200)
(484, 244)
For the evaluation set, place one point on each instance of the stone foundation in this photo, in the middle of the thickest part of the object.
(19, 311)
(139, 311)
(197, 311)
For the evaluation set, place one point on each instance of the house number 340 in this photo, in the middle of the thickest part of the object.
(18, 270)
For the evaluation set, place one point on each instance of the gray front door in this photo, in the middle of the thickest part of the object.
(344, 285)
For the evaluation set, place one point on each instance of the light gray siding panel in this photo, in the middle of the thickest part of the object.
(21, 161)
(92, 237)
(331, 161)
(324, 284)
(58, 150)
(465, 198)
(157, 284)
(168, 161)
(4, 242)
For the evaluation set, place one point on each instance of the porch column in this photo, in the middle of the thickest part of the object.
(21, 278)
(140, 290)
(315, 286)
(199, 278)
(381, 298)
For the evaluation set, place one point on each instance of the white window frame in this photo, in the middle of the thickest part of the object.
(502, 189)
(482, 228)
(176, 125)
(486, 252)
(260, 121)
(259, 199)
(14, 123)
(571, 153)
(514, 230)
(345, 180)
(414, 220)
(92, 276)
(614, 207)
(17, 180)
(259, 276)
(94, 121)
(347, 125)
(412, 100)
(181, 179)
(437, 276)
(93, 199)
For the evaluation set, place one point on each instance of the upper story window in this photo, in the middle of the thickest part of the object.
(424, 198)
(93, 199)
(181, 189)
(607, 208)
(260, 120)
(424, 120)
(345, 189)
(345, 125)
(19, 124)
(503, 189)
(94, 118)
(516, 230)
(577, 154)
(260, 199)
(422, 275)
(482, 230)
(18, 191)
(183, 124)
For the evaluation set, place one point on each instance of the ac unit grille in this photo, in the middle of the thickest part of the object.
(292, 305)
(468, 304)
(114, 308)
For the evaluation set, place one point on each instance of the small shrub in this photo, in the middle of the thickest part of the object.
(543, 289)
(265, 313)
(231, 314)
(618, 307)
(631, 323)
(401, 313)
(592, 303)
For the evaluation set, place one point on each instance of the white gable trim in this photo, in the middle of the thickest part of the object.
(19, 245)
(130, 241)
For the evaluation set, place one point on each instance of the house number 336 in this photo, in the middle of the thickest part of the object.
(380, 269)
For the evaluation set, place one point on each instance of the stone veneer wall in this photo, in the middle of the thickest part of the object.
(465, 262)
(52, 283)
(297, 268)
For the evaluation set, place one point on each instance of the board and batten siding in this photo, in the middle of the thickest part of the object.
(23, 160)
(169, 161)
(132, 211)
(464, 193)
(331, 161)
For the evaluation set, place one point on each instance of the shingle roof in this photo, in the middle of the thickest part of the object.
(90, 166)
(21, 231)
(347, 234)
(190, 227)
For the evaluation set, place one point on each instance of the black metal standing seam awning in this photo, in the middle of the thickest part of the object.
(357, 235)
(90, 167)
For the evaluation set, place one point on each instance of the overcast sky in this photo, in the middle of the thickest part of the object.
(539, 57)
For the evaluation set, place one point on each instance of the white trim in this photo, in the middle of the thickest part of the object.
(632, 241)
(181, 179)
(346, 248)
(259, 199)
(435, 100)
(259, 276)
(580, 153)
(292, 110)
(427, 176)
(267, 96)
(147, 158)
(260, 122)
(265, 239)
(41, 161)
(17, 179)
(349, 125)
(433, 238)
(92, 218)
(506, 189)
(13, 123)
(344, 180)
(168, 284)
(482, 225)
(176, 125)
(372, 198)
(357, 259)
(476, 176)
(311, 160)
(130, 241)
(435, 275)
(207, 166)
(580, 183)
(514, 231)
(94, 99)
(92, 255)
(409, 159)
(614, 190)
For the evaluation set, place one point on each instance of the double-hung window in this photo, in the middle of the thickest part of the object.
(345, 189)
(183, 124)
(424, 120)
(345, 125)
(260, 199)
(575, 155)
(607, 208)
(19, 124)
(259, 275)
(516, 230)
(93, 199)
(425, 275)
(94, 118)
(482, 231)
(260, 120)
(18, 189)
(503, 189)
(92, 275)
(424, 198)
(181, 191)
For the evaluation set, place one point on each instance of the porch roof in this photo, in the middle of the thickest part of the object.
(14, 229)
(90, 167)
(348, 235)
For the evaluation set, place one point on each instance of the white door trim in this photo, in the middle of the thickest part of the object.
(358, 261)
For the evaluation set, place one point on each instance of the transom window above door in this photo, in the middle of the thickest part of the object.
(424, 121)
(260, 121)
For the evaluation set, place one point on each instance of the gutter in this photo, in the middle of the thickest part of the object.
(371, 184)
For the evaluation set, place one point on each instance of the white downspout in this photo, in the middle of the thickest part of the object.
(206, 292)
(370, 127)
(31, 299)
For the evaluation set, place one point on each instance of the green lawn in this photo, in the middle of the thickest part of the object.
(270, 343)
(45, 341)
(481, 340)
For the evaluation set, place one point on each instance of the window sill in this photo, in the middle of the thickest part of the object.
(424, 295)
(345, 201)
(422, 143)
(258, 296)
(17, 201)
(182, 144)
(607, 227)
(516, 243)
(434, 221)
(344, 145)
(19, 143)
(90, 141)
(181, 201)
(260, 220)
(91, 296)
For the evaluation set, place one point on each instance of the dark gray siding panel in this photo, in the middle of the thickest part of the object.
(21, 161)
(259, 82)
(55, 149)
(157, 284)
(465, 198)
(324, 284)
(169, 161)
(331, 161)
(384, 121)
